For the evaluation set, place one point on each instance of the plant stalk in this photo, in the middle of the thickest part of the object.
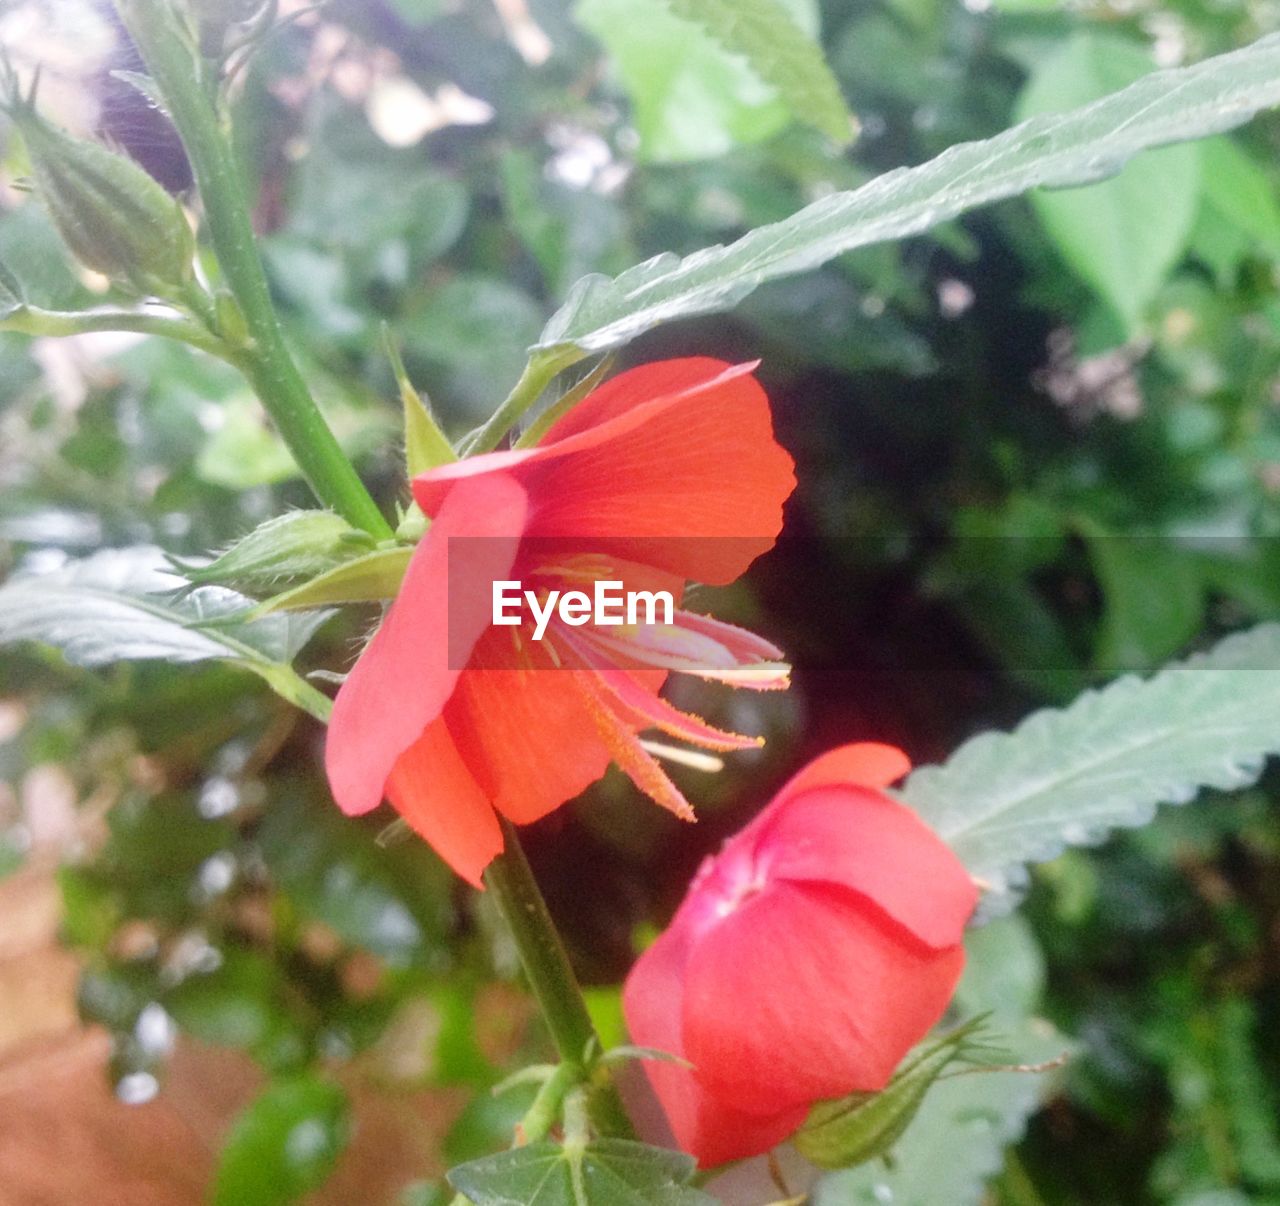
(546, 965)
(182, 77)
(539, 372)
(34, 320)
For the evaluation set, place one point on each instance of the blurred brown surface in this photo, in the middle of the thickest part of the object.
(65, 1139)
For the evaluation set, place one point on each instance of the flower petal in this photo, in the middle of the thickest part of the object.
(713, 1132)
(804, 993)
(862, 764)
(867, 842)
(527, 735)
(408, 671)
(433, 790)
(686, 476)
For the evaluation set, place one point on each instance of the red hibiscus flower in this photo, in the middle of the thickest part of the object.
(819, 946)
(665, 474)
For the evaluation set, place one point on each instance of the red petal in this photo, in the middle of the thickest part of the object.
(689, 480)
(865, 841)
(804, 993)
(646, 383)
(527, 735)
(408, 671)
(862, 764)
(709, 1130)
(435, 792)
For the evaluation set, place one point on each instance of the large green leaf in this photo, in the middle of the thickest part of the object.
(780, 53)
(1068, 776)
(128, 605)
(608, 1172)
(1122, 235)
(1079, 147)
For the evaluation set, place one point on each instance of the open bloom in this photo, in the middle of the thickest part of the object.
(819, 946)
(665, 474)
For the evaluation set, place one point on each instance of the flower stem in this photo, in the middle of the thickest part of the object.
(545, 963)
(184, 81)
(34, 320)
(539, 372)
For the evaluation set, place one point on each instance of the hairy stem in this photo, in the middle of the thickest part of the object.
(183, 80)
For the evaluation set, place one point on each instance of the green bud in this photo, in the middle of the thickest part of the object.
(857, 1128)
(113, 217)
(296, 546)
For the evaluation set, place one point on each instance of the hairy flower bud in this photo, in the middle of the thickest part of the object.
(857, 1128)
(113, 217)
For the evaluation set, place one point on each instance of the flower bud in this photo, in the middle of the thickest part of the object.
(857, 1128)
(113, 217)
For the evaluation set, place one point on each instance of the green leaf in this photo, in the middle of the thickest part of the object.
(1068, 776)
(1079, 147)
(298, 544)
(1152, 596)
(608, 1172)
(392, 902)
(1124, 234)
(376, 575)
(1239, 208)
(690, 98)
(780, 53)
(284, 1145)
(126, 605)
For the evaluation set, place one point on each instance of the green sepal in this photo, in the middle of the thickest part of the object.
(857, 1128)
(375, 576)
(425, 445)
(296, 545)
(112, 216)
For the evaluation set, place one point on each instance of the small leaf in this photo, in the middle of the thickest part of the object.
(376, 575)
(126, 605)
(1079, 147)
(690, 98)
(284, 1145)
(1068, 776)
(298, 544)
(780, 53)
(608, 1172)
(1153, 599)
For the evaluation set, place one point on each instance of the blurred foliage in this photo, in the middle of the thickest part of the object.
(1038, 448)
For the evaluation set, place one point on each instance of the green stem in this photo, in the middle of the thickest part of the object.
(539, 372)
(546, 965)
(33, 320)
(182, 78)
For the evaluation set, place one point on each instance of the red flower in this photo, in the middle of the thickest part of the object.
(666, 473)
(819, 946)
